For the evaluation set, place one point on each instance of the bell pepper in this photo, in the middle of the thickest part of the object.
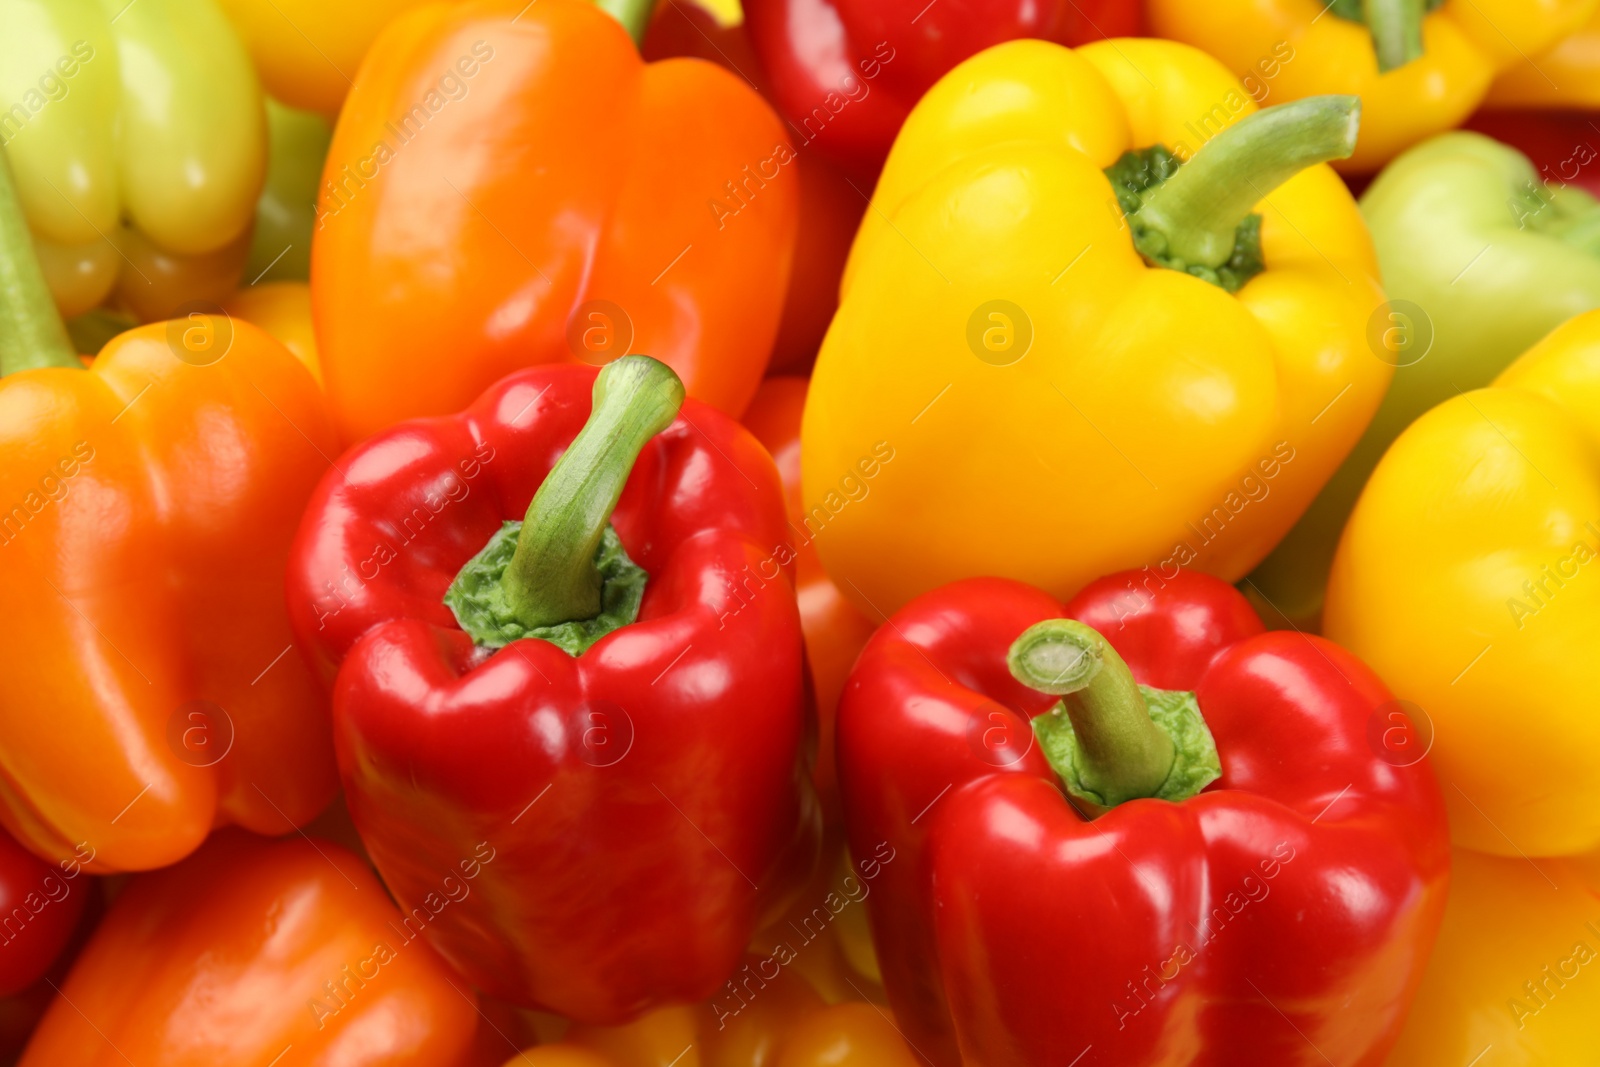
(1461, 578)
(149, 503)
(139, 143)
(830, 204)
(1135, 829)
(609, 693)
(784, 1024)
(579, 204)
(1002, 337)
(1481, 257)
(253, 949)
(308, 51)
(1509, 979)
(282, 309)
(40, 905)
(846, 73)
(835, 631)
(1420, 67)
(1565, 76)
(1561, 145)
(280, 247)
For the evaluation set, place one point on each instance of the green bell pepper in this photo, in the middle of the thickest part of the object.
(137, 135)
(1481, 257)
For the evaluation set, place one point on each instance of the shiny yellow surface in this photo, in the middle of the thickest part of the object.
(1467, 577)
(308, 51)
(283, 309)
(1567, 76)
(1139, 427)
(1288, 49)
(1515, 976)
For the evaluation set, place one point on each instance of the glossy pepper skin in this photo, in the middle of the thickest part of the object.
(1310, 877)
(280, 245)
(145, 694)
(1563, 77)
(574, 195)
(40, 905)
(1518, 987)
(138, 139)
(251, 949)
(634, 796)
(1290, 50)
(1482, 255)
(308, 52)
(831, 204)
(835, 631)
(1201, 422)
(846, 73)
(1480, 521)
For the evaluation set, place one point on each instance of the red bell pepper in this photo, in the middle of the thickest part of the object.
(1280, 916)
(617, 748)
(846, 73)
(40, 904)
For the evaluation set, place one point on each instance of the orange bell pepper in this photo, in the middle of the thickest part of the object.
(835, 630)
(148, 685)
(255, 952)
(831, 205)
(510, 184)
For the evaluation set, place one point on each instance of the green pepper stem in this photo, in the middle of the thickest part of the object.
(1122, 754)
(552, 578)
(1396, 27)
(1195, 214)
(633, 14)
(31, 331)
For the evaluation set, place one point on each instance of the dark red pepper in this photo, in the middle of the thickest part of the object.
(618, 807)
(40, 904)
(846, 73)
(1281, 916)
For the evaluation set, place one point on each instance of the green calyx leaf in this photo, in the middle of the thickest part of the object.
(1139, 173)
(1176, 713)
(477, 596)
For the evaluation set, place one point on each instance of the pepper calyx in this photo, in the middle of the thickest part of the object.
(1110, 739)
(477, 596)
(1176, 712)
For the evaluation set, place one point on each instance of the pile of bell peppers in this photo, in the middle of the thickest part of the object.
(818, 533)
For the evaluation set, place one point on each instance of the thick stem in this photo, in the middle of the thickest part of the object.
(633, 14)
(1396, 27)
(1121, 753)
(1195, 214)
(31, 331)
(552, 577)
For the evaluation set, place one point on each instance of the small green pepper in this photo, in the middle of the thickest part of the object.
(1481, 257)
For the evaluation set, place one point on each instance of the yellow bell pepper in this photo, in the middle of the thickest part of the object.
(1512, 979)
(1010, 388)
(1567, 76)
(1419, 66)
(308, 51)
(1467, 577)
(283, 309)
